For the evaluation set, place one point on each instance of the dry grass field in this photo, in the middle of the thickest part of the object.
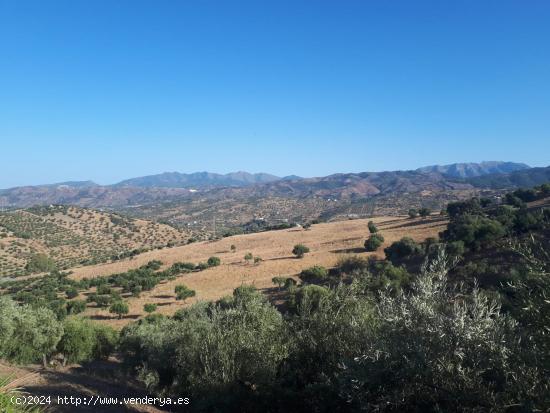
(328, 242)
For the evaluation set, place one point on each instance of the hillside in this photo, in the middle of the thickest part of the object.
(519, 179)
(72, 236)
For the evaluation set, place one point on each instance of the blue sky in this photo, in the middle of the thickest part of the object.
(107, 90)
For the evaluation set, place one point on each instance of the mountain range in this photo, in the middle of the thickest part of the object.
(173, 186)
(471, 170)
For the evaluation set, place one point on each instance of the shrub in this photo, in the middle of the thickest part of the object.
(278, 281)
(413, 213)
(233, 248)
(213, 261)
(211, 352)
(201, 266)
(28, 334)
(71, 292)
(183, 292)
(179, 267)
(76, 306)
(104, 289)
(106, 341)
(469, 207)
(313, 274)
(248, 257)
(424, 212)
(402, 249)
(40, 263)
(119, 308)
(351, 264)
(432, 327)
(308, 297)
(289, 283)
(78, 340)
(374, 242)
(150, 308)
(475, 231)
(372, 227)
(300, 250)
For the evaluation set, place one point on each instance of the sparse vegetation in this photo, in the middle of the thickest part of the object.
(119, 308)
(374, 242)
(300, 250)
(183, 292)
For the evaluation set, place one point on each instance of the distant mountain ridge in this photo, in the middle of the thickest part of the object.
(198, 180)
(174, 186)
(471, 170)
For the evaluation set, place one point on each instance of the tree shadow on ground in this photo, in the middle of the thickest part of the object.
(99, 378)
(356, 250)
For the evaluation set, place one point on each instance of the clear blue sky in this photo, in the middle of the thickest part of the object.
(108, 89)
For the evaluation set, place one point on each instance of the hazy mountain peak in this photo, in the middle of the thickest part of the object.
(199, 179)
(472, 169)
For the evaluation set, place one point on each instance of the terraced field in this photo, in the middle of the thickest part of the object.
(72, 236)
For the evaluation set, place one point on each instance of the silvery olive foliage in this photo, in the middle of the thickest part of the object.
(441, 348)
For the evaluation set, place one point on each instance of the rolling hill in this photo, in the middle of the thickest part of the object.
(71, 236)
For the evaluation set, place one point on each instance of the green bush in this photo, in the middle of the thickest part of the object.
(71, 292)
(76, 306)
(210, 352)
(213, 261)
(278, 281)
(405, 248)
(78, 340)
(300, 250)
(150, 308)
(40, 263)
(475, 231)
(314, 274)
(424, 212)
(29, 334)
(308, 297)
(372, 227)
(106, 341)
(119, 308)
(351, 264)
(183, 292)
(374, 242)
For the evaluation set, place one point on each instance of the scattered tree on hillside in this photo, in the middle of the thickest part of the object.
(300, 250)
(374, 242)
(183, 292)
(424, 212)
(120, 308)
(40, 263)
(150, 308)
(248, 257)
(372, 227)
(213, 261)
(413, 213)
(279, 281)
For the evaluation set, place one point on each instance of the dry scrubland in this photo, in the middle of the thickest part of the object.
(328, 242)
(73, 236)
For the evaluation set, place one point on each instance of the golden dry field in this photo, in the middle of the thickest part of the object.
(328, 242)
